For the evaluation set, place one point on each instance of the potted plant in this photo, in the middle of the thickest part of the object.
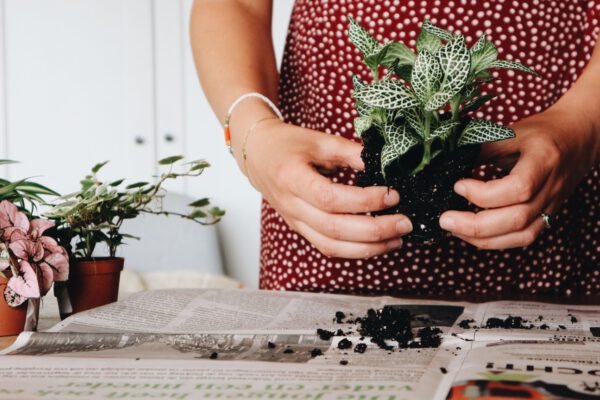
(29, 260)
(94, 215)
(416, 120)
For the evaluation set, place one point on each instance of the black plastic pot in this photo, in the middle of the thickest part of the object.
(424, 197)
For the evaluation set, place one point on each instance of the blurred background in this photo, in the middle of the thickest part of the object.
(83, 81)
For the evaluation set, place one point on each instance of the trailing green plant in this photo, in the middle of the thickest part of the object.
(421, 106)
(24, 193)
(97, 211)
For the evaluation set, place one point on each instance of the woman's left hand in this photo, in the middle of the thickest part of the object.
(551, 154)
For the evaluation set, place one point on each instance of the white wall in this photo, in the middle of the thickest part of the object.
(84, 78)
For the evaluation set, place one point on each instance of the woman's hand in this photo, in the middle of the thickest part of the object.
(553, 152)
(282, 162)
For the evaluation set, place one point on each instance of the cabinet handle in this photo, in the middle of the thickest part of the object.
(140, 140)
(169, 137)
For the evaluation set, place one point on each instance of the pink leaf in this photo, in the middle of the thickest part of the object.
(50, 244)
(13, 299)
(39, 226)
(26, 283)
(21, 249)
(7, 214)
(13, 234)
(47, 278)
(60, 265)
(4, 263)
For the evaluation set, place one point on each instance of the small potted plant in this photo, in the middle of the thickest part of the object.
(416, 120)
(94, 215)
(29, 260)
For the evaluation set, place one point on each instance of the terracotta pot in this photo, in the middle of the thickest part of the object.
(93, 282)
(12, 320)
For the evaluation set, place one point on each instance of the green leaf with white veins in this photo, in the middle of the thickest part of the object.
(456, 65)
(426, 75)
(482, 131)
(399, 140)
(483, 58)
(415, 120)
(444, 130)
(398, 52)
(386, 94)
(362, 39)
(438, 100)
(362, 124)
(429, 42)
(479, 44)
(506, 64)
(438, 32)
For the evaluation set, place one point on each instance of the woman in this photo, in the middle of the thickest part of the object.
(312, 237)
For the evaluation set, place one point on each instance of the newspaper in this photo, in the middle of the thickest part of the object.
(246, 344)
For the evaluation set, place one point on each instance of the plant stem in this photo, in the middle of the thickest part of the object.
(454, 104)
(426, 159)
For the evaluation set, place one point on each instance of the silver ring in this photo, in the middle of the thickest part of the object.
(546, 219)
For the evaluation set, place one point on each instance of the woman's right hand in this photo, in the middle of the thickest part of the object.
(282, 162)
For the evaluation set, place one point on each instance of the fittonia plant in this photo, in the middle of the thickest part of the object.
(421, 106)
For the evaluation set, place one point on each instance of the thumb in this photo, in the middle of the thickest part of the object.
(336, 151)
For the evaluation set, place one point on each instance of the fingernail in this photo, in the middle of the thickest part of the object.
(403, 226)
(447, 223)
(391, 198)
(460, 189)
(394, 244)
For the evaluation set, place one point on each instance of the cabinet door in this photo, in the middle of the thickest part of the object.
(79, 84)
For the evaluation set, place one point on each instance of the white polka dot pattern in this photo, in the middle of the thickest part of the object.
(556, 38)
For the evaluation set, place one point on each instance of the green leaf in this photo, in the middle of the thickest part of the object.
(362, 109)
(362, 124)
(399, 141)
(506, 64)
(477, 103)
(444, 130)
(197, 214)
(10, 187)
(170, 160)
(398, 53)
(378, 116)
(482, 131)
(136, 185)
(438, 101)
(469, 92)
(479, 44)
(426, 75)
(363, 41)
(415, 120)
(483, 58)
(455, 61)
(216, 212)
(200, 203)
(386, 94)
(98, 166)
(6, 162)
(438, 32)
(357, 82)
(33, 187)
(117, 182)
(404, 72)
(429, 42)
(199, 165)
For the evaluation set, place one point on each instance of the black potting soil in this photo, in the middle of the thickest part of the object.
(271, 345)
(214, 356)
(424, 197)
(443, 370)
(344, 344)
(360, 348)
(325, 334)
(315, 353)
(466, 323)
(339, 317)
(288, 351)
(344, 362)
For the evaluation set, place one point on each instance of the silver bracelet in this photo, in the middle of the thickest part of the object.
(237, 101)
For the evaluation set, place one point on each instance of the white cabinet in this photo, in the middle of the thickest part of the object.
(79, 88)
(83, 81)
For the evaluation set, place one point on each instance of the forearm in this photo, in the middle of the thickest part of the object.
(233, 51)
(580, 107)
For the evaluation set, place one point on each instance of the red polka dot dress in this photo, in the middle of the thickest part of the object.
(555, 37)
